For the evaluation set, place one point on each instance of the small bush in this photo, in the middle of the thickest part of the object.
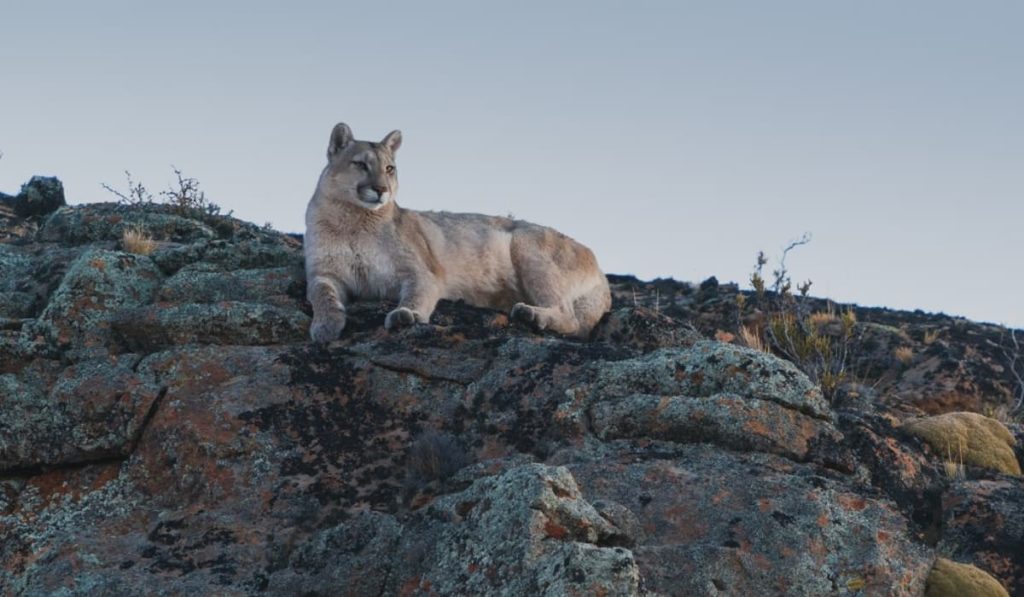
(819, 343)
(1015, 365)
(185, 196)
(137, 193)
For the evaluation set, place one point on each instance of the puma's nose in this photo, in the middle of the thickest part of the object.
(380, 189)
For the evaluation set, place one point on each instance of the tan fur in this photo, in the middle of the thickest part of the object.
(360, 244)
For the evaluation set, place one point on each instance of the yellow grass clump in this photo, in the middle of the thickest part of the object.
(953, 579)
(979, 440)
(138, 241)
(752, 339)
(904, 354)
(821, 318)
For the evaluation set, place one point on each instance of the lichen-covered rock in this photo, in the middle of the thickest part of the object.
(90, 411)
(710, 530)
(969, 437)
(206, 283)
(353, 558)
(727, 420)
(161, 326)
(168, 428)
(525, 531)
(645, 330)
(983, 523)
(953, 579)
(39, 196)
(97, 286)
(107, 222)
(708, 368)
(15, 267)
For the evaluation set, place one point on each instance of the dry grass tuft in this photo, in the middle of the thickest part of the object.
(138, 241)
(752, 339)
(904, 354)
(821, 318)
(954, 467)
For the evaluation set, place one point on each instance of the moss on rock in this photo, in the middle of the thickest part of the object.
(953, 579)
(979, 440)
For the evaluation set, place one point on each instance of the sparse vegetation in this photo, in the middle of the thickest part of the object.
(1015, 364)
(184, 195)
(953, 466)
(136, 240)
(136, 195)
(188, 199)
(818, 342)
(752, 339)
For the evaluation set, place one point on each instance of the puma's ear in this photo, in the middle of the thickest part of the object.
(341, 136)
(392, 141)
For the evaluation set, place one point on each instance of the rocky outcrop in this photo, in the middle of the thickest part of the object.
(168, 429)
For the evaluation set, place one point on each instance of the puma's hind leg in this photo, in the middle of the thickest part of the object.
(558, 319)
(545, 287)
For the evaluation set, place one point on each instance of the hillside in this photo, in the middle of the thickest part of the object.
(166, 427)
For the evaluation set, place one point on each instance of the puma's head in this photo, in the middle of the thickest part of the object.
(361, 172)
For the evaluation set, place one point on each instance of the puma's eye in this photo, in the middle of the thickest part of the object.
(361, 166)
(390, 169)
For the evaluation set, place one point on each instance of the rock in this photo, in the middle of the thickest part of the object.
(983, 523)
(709, 530)
(644, 330)
(107, 222)
(892, 462)
(93, 410)
(708, 368)
(952, 579)
(157, 327)
(356, 555)
(525, 531)
(735, 422)
(39, 196)
(974, 438)
(205, 283)
(97, 286)
(167, 427)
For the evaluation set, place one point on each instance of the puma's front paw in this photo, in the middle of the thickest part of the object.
(327, 328)
(399, 318)
(525, 314)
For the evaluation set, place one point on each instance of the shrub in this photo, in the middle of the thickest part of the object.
(137, 193)
(1015, 365)
(184, 196)
(819, 343)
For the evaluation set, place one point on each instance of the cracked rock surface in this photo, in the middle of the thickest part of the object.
(167, 428)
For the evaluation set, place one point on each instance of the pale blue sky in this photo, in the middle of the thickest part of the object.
(675, 138)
